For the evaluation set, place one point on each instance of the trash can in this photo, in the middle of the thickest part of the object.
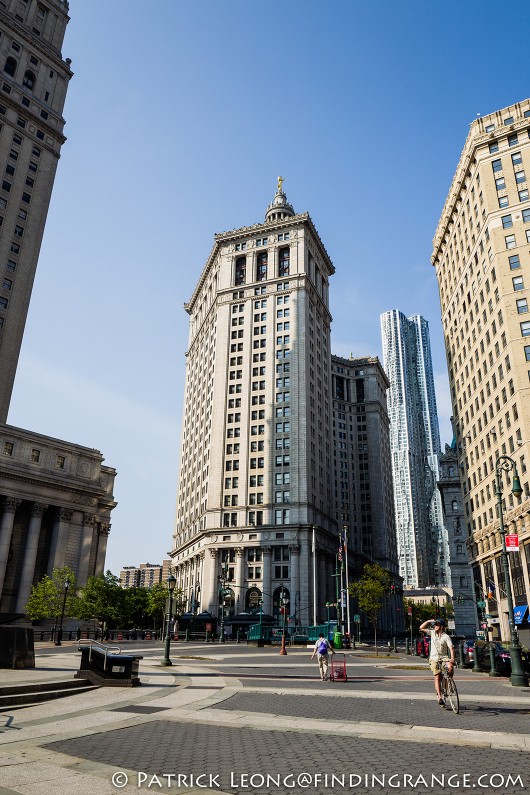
(337, 640)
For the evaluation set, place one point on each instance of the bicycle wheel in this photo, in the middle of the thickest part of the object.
(452, 695)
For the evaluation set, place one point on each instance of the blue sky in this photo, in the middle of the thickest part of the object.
(180, 116)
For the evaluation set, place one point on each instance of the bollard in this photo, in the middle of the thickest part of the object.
(493, 667)
(187, 635)
(461, 654)
(207, 636)
(353, 641)
(407, 646)
(238, 639)
(394, 644)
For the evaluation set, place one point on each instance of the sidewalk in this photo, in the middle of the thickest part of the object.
(74, 745)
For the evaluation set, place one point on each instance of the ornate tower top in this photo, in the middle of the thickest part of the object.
(279, 208)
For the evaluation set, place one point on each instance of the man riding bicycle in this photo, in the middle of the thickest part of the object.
(441, 651)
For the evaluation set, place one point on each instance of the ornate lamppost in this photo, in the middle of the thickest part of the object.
(504, 463)
(60, 631)
(223, 577)
(283, 611)
(171, 582)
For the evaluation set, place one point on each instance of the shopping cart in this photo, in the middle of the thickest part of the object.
(338, 668)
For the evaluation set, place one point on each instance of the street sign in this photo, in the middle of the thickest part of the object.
(357, 619)
(512, 543)
(480, 634)
(481, 604)
(487, 615)
(409, 611)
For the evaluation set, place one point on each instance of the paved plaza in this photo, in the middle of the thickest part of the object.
(234, 719)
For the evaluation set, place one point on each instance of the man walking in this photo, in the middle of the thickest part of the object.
(321, 649)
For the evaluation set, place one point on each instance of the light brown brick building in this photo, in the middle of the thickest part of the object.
(482, 260)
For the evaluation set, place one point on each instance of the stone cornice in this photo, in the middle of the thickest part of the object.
(268, 227)
(77, 495)
(36, 42)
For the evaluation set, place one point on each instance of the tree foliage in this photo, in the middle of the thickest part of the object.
(47, 597)
(370, 591)
(102, 598)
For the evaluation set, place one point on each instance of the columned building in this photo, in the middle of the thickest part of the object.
(55, 496)
(55, 503)
(415, 447)
(255, 493)
(482, 259)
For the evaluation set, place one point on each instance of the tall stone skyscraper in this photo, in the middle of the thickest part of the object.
(32, 94)
(55, 496)
(482, 258)
(255, 484)
(415, 447)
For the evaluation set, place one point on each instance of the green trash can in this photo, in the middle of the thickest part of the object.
(337, 640)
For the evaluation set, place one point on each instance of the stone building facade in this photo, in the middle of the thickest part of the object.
(55, 496)
(482, 261)
(33, 90)
(55, 505)
(460, 573)
(255, 493)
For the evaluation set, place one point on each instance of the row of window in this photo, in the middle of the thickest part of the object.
(260, 275)
(9, 448)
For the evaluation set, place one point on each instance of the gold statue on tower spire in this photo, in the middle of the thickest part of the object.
(280, 183)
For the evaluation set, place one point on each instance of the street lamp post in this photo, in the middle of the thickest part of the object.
(171, 582)
(60, 630)
(260, 602)
(504, 463)
(223, 577)
(282, 613)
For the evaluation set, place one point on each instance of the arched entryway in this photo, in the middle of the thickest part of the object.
(253, 600)
(281, 600)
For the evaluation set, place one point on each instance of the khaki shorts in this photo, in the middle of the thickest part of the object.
(436, 665)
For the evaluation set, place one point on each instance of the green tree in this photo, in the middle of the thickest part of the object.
(370, 591)
(102, 598)
(134, 607)
(47, 597)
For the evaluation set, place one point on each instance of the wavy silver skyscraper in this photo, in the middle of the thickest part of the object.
(415, 446)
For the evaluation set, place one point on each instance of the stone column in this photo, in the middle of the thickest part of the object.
(30, 556)
(61, 525)
(210, 583)
(240, 573)
(6, 529)
(103, 529)
(198, 586)
(296, 596)
(87, 535)
(304, 579)
(267, 580)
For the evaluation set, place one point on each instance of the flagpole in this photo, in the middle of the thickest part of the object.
(314, 579)
(341, 547)
(347, 583)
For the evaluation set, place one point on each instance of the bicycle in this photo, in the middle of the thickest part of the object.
(448, 688)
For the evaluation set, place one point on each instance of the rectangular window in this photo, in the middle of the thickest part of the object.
(516, 158)
(3, 303)
(513, 140)
(503, 202)
(6, 284)
(496, 165)
(8, 448)
(522, 306)
(517, 282)
(35, 456)
(6, 186)
(508, 121)
(60, 461)
(527, 352)
(520, 177)
(507, 222)
(514, 262)
(523, 195)
(525, 328)
(510, 241)
(26, 198)
(494, 147)
(500, 183)
(11, 266)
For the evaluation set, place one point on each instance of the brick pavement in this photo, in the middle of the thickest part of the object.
(411, 712)
(163, 746)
